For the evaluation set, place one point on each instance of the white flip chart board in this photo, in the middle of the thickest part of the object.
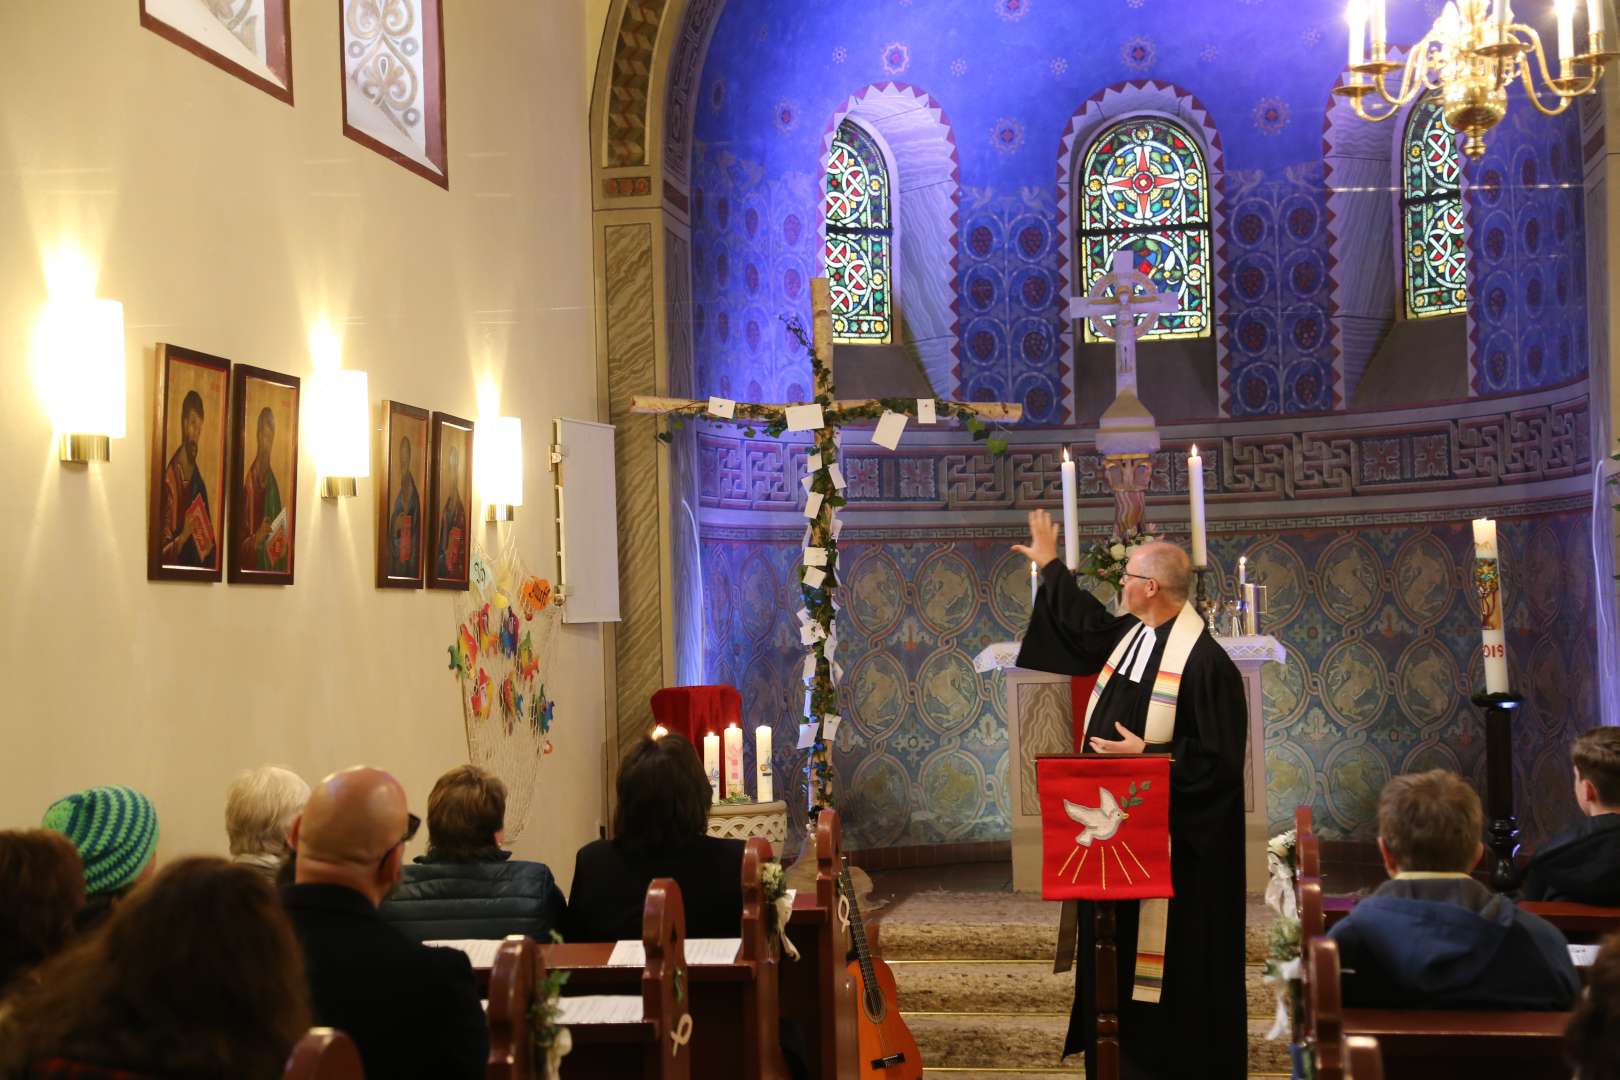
(587, 521)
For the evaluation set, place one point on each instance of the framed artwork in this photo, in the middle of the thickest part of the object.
(402, 497)
(264, 476)
(393, 82)
(186, 520)
(251, 39)
(450, 516)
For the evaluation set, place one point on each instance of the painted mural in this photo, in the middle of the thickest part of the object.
(1008, 76)
(1379, 627)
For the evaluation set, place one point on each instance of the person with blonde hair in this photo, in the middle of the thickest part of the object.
(1432, 937)
(260, 806)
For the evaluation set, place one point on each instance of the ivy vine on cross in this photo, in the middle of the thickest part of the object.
(825, 494)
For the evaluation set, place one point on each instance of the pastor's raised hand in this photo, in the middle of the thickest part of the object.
(1043, 539)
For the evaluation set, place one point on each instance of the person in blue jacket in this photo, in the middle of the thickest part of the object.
(467, 885)
(1432, 937)
(1582, 864)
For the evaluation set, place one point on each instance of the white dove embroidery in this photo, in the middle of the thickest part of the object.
(1101, 822)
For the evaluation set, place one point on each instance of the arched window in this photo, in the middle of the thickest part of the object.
(1144, 188)
(1432, 247)
(860, 238)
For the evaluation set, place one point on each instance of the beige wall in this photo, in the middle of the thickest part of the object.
(229, 222)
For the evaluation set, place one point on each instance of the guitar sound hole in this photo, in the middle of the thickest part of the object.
(876, 1008)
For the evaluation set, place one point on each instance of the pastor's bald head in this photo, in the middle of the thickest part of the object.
(1167, 564)
(347, 833)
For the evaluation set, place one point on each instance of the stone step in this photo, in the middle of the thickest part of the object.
(1035, 1041)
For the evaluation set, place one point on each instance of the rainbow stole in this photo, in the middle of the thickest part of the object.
(1154, 919)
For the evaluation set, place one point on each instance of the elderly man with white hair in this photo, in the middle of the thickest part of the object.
(1164, 685)
(260, 807)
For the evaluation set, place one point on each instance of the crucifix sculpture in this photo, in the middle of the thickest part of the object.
(824, 487)
(1127, 435)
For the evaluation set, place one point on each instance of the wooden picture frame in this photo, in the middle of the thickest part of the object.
(264, 477)
(450, 511)
(403, 497)
(380, 121)
(185, 525)
(227, 41)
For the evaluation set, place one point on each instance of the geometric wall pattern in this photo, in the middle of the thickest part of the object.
(1379, 626)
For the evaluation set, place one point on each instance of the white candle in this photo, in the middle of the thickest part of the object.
(734, 760)
(711, 764)
(762, 764)
(1504, 18)
(1356, 16)
(1566, 34)
(1243, 570)
(1378, 29)
(1071, 516)
(1195, 488)
(1034, 582)
(1488, 584)
(1594, 18)
(659, 731)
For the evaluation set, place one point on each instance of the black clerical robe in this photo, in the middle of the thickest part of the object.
(1199, 1026)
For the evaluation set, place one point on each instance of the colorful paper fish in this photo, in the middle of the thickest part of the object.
(528, 663)
(481, 695)
(508, 702)
(469, 648)
(509, 633)
(458, 661)
(487, 641)
(535, 596)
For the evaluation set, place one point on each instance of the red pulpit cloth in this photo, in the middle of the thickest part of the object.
(1105, 827)
(694, 711)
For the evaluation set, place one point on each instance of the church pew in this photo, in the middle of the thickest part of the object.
(1337, 1056)
(1582, 924)
(512, 980)
(656, 1047)
(1432, 1044)
(324, 1054)
(734, 1007)
(1363, 1059)
(817, 989)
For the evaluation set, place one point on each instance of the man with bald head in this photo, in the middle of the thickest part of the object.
(1164, 686)
(412, 1011)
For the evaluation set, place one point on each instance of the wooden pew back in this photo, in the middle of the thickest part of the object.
(1310, 913)
(816, 989)
(1363, 1059)
(512, 979)
(1323, 1011)
(324, 1054)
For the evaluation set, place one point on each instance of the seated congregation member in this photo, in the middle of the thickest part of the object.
(1592, 1040)
(115, 829)
(41, 890)
(260, 806)
(196, 974)
(658, 831)
(466, 886)
(412, 1011)
(1582, 864)
(1432, 937)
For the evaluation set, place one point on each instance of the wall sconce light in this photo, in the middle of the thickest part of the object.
(341, 411)
(80, 347)
(499, 454)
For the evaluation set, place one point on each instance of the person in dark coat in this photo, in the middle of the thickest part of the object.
(412, 1011)
(1582, 864)
(1432, 937)
(658, 831)
(467, 886)
(1198, 1025)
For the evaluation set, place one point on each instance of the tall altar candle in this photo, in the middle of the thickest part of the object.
(1566, 34)
(1378, 29)
(762, 764)
(1195, 488)
(1594, 17)
(711, 764)
(1356, 16)
(1034, 582)
(1071, 516)
(1488, 584)
(734, 772)
(1243, 571)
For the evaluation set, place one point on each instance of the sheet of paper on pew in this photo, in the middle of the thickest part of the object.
(599, 1009)
(479, 951)
(698, 951)
(1583, 955)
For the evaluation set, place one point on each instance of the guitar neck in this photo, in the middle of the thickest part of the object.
(857, 931)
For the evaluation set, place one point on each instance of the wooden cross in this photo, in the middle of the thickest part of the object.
(818, 634)
(1115, 295)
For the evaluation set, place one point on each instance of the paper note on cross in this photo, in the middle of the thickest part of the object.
(1105, 827)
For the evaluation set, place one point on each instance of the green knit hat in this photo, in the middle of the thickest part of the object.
(115, 829)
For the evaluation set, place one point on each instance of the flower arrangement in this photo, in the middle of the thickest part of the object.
(778, 906)
(1105, 560)
(1283, 943)
(552, 1041)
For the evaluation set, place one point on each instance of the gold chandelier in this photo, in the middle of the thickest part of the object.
(1468, 59)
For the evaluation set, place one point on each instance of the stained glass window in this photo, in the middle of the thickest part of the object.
(860, 237)
(1433, 250)
(1143, 189)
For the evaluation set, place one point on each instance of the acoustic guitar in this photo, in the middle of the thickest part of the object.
(888, 1050)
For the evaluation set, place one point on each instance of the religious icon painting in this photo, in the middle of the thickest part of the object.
(450, 510)
(393, 82)
(402, 497)
(264, 476)
(185, 537)
(251, 39)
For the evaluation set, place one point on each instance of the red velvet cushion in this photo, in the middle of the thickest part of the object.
(694, 711)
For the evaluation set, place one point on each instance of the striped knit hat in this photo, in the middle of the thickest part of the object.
(115, 829)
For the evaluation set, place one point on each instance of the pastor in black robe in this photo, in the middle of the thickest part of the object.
(1199, 1027)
